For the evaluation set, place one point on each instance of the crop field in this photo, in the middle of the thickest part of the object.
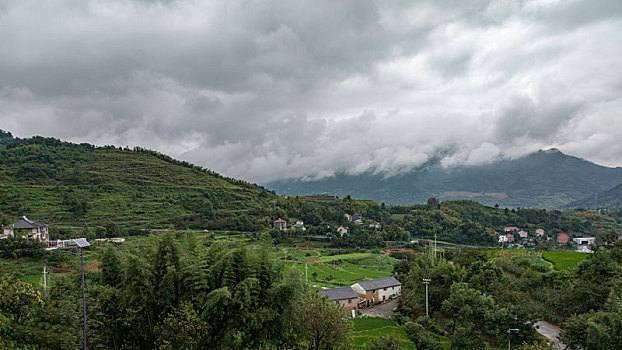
(330, 271)
(564, 260)
(367, 329)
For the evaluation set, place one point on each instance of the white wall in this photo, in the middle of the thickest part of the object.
(386, 294)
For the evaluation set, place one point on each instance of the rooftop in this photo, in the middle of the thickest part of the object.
(340, 293)
(379, 283)
(24, 222)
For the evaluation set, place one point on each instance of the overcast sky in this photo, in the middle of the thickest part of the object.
(262, 90)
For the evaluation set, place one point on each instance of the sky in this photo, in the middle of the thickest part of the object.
(266, 90)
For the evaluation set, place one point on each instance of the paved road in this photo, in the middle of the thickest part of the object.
(382, 310)
(550, 332)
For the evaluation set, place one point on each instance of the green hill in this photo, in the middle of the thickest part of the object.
(62, 182)
(545, 179)
(609, 199)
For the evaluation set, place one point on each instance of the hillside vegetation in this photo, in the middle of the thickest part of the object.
(69, 183)
(609, 199)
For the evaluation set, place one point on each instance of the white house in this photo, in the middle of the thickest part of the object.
(539, 232)
(522, 234)
(300, 225)
(584, 241)
(378, 290)
(503, 238)
(343, 229)
(374, 224)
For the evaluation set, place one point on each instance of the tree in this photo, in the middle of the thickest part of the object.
(110, 266)
(473, 314)
(322, 323)
(181, 329)
(423, 339)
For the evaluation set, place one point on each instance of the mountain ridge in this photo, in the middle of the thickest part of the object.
(546, 178)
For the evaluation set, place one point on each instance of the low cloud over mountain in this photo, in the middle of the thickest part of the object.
(278, 89)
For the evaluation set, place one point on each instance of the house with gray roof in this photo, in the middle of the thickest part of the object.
(28, 229)
(378, 290)
(344, 296)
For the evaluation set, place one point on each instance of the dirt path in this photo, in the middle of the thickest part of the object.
(550, 332)
(382, 310)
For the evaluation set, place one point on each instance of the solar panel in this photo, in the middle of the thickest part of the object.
(81, 242)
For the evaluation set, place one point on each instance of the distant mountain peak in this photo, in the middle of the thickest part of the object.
(552, 151)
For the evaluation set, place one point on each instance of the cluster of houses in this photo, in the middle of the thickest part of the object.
(363, 293)
(515, 234)
(357, 219)
(281, 224)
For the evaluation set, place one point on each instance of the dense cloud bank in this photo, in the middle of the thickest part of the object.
(264, 90)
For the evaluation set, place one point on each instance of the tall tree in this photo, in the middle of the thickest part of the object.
(322, 323)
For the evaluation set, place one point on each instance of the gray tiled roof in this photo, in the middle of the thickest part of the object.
(27, 223)
(379, 283)
(340, 293)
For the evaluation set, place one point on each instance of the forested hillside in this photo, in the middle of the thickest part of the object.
(545, 179)
(609, 199)
(70, 183)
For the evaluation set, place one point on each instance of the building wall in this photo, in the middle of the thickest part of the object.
(387, 293)
(376, 295)
(348, 305)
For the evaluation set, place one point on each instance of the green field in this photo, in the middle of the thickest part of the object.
(366, 329)
(564, 260)
(342, 257)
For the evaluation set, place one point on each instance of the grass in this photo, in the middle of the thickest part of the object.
(366, 329)
(564, 260)
(353, 256)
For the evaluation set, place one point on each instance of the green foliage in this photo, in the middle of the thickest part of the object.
(422, 337)
(321, 323)
(386, 342)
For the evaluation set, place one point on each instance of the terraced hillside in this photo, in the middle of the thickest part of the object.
(61, 182)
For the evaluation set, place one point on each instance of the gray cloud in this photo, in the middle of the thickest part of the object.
(275, 89)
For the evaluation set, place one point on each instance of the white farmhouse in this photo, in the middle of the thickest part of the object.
(378, 290)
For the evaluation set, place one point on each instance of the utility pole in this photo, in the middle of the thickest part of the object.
(511, 330)
(45, 280)
(426, 281)
(435, 247)
(307, 274)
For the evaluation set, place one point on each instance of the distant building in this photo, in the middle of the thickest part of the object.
(27, 228)
(539, 232)
(374, 224)
(357, 216)
(344, 296)
(358, 221)
(503, 238)
(378, 290)
(299, 225)
(343, 229)
(348, 216)
(509, 237)
(522, 234)
(562, 238)
(280, 224)
(511, 229)
(584, 241)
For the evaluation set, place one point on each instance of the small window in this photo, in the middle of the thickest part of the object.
(385, 289)
(349, 301)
